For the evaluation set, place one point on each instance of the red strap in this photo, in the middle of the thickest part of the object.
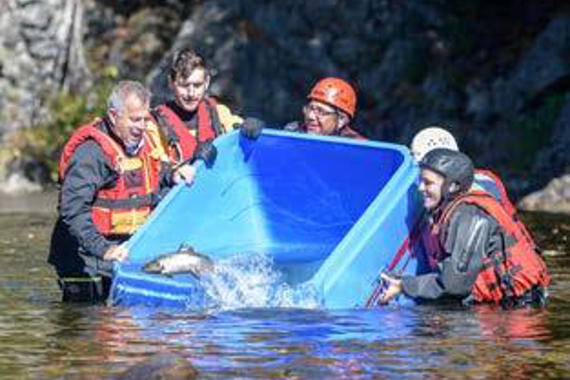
(405, 247)
(189, 143)
(90, 131)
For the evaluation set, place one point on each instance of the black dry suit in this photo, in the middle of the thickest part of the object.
(470, 236)
(477, 251)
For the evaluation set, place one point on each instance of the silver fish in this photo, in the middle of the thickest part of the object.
(185, 260)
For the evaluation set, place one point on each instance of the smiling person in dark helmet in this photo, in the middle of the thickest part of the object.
(480, 254)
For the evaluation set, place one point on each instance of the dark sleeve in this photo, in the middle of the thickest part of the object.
(166, 183)
(87, 173)
(467, 241)
(293, 126)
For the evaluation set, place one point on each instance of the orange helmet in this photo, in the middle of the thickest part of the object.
(336, 92)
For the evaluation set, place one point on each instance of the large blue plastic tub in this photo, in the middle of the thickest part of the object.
(329, 211)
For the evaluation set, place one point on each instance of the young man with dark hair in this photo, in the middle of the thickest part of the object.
(191, 121)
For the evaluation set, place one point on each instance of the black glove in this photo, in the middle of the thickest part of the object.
(207, 152)
(252, 127)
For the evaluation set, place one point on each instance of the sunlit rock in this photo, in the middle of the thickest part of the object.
(40, 53)
(17, 183)
(555, 197)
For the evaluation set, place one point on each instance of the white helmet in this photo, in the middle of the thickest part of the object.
(430, 138)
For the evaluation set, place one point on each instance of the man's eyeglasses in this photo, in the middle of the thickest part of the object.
(318, 111)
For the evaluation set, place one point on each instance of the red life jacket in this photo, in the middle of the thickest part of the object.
(505, 275)
(119, 210)
(498, 190)
(492, 184)
(181, 142)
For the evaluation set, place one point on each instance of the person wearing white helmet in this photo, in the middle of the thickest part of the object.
(479, 252)
(431, 138)
(435, 137)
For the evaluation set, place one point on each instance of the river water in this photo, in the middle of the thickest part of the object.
(41, 338)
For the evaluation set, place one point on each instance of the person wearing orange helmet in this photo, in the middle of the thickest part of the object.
(330, 110)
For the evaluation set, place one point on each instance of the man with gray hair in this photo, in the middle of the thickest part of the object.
(112, 173)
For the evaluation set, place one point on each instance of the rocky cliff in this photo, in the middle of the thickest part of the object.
(496, 74)
(40, 53)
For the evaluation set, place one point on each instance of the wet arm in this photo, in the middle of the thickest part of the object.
(467, 241)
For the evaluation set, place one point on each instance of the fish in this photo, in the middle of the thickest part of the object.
(184, 260)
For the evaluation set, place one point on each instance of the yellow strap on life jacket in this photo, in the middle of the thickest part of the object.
(127, 164)
(227, 118)
(157, 142)
(127, 222)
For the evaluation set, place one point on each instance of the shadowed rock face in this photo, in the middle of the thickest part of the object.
(495, 74)
(160, 366)
(479, 69)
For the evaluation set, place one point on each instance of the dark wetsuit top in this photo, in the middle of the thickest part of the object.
(471, 235)
(296, 126)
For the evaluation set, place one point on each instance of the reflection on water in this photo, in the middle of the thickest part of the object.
(44, 339)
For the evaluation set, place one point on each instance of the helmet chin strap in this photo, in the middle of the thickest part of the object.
(342, 121)
(448, 193)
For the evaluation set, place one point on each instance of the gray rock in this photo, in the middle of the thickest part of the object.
(440, 96)
(160, 366)
(267, 57)
(541, 68)
(40, 53)
(555, 197)
(17, 183)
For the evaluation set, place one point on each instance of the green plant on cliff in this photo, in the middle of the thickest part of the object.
(42, 144)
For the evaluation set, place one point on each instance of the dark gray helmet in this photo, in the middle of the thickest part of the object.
(454, 166)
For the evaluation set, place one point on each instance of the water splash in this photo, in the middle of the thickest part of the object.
(252, 281)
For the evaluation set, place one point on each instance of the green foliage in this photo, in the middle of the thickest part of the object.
(42, 144)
